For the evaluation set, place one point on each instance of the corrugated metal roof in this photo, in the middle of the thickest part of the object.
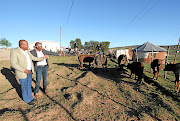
(148, 47)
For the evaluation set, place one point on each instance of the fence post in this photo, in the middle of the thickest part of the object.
(151, 59)
(176, 52)
(165, 72)
(136, 56)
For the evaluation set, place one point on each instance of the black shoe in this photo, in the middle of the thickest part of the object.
(31, 103)
(34, 100)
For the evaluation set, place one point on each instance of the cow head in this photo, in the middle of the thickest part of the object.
(169, 67)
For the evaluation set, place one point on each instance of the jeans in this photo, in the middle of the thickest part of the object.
(41, 71)
(26, 88)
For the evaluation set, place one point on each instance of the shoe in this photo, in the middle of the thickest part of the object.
(34, 100)
(36, 95)
(46, 92)
(31, 103)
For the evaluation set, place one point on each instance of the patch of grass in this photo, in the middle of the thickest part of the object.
(84, 95)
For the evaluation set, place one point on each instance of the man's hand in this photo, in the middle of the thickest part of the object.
(27, 71)
(45, 56)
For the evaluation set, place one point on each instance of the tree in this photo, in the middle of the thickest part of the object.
(72, 44)
(87, 46)
(78, 43)
(5, 42)
(104, 46)
(95, 46)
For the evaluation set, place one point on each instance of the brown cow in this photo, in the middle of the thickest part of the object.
(156, 66)
(85, 58)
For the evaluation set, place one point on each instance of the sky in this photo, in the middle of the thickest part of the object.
(120, 22)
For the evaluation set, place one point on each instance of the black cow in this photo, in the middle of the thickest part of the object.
(176, 69)
(137, 69)
(121, 61)
(156, 66)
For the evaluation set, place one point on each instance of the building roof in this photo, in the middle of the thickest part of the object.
(148, 47)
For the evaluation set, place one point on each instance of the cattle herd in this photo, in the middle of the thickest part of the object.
(134, 67)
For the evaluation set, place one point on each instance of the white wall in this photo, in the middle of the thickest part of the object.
(143, 54)
(122, 51)
(47, 45)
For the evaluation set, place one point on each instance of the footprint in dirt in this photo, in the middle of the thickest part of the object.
(79, 97)
(67, 96)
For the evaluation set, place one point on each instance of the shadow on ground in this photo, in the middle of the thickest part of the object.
(10, 76)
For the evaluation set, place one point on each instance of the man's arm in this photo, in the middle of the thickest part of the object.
(37, 58)
(49, 53)
(14, 61)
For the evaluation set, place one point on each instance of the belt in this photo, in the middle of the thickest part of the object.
(41, 65)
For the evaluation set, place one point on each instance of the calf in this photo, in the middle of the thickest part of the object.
(136, 68)
(156, 66)
(121, 61)
(85, 58)
(176, 69)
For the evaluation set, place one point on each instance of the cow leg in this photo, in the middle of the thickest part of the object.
(157, 75)
(131, 74)
(141, 81)
(80, 65)
(89, 65)
(122, 68)
(177, 87)
(177, 82)
(154, 73)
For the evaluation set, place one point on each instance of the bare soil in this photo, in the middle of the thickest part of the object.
(75, 94)
(5, 54)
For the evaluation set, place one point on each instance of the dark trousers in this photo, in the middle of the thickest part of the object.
(41, 71)
(26, 88)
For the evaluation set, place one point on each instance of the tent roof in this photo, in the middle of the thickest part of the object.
(148, 47)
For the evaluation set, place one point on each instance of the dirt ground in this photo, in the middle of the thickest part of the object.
(4, 54)
(75, 94)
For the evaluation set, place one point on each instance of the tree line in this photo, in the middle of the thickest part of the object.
(95, 46)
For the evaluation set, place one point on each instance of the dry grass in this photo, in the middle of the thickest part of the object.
(85, 95)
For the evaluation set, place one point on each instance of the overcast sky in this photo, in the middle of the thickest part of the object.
(121, 22)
